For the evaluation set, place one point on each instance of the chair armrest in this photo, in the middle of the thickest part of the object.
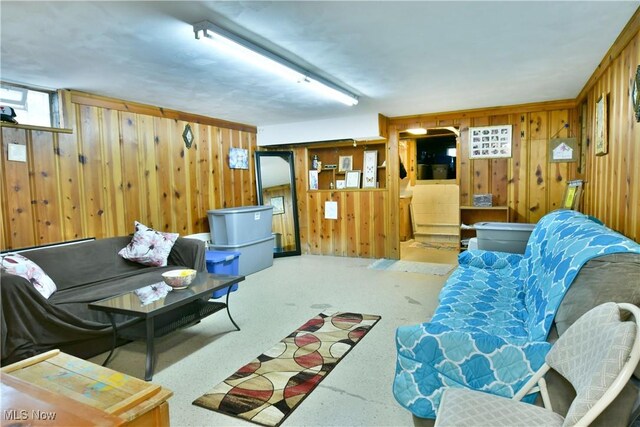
(188, 253)
(489, 259)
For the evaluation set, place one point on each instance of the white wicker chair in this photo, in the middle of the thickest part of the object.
(597, 355)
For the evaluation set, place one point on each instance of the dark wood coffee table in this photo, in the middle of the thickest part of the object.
(179, 308)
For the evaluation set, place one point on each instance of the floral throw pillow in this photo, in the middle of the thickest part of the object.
(148, 246)
(22, 266)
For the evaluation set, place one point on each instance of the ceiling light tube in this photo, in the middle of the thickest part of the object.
(269, 61)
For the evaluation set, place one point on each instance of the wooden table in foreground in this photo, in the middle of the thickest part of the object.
(56, 389)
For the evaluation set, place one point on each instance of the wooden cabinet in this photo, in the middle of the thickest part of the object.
(331, 155)
(470, 215)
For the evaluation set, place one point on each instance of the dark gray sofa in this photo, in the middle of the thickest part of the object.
(83, 272)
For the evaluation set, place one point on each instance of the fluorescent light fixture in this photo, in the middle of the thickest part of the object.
(451, 152)
(243, 49)
(417, 131)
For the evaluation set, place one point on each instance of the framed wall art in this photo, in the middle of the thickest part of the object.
(313, 180)
(238, 158)
(563, 150)
(278, 204)
(352, 179)
(635, 94)
(370, 167)
(345, 163)
(601, 146)
(489, 142)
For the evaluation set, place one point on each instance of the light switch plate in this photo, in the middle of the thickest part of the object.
(17, 153)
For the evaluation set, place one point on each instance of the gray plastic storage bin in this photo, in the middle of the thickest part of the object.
(503, 236)
(235, 226)
(254, 256)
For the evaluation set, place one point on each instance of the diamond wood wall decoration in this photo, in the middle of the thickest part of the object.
(187, 136)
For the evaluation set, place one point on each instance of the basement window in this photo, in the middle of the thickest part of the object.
(34, 107)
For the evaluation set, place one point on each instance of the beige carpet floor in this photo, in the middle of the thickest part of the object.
(272, 303)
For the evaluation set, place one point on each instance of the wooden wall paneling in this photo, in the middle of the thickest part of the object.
(112, 170)
(227, 175)
(207, 174)
(519, 167)
(480, 167)
(19, 215)
(196, 216)
(68, 166)
(464, 164)
(314, 236)
(199, 153)
(300, 162)
(558, 173)
(148, 171)
(164, 167)
(248, 187)
(180, 173)
(390, 220)
(620, 106)
(131, 170)
(343, 230)
(499, 168)
(381, 228)
(537, 191)
(363, 210)
(327, 228)
(91, 162)
(353, 224)
(44, 182)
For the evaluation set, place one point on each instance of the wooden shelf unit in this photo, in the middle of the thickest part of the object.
(470, 215)
(330, 154)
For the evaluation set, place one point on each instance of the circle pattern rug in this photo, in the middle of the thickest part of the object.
(267, 389)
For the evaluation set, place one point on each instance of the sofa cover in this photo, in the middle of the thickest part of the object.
(83, 272)
(495, 312)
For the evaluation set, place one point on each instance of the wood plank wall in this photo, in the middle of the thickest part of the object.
(526, 182)
(123, 162)
(612, 191)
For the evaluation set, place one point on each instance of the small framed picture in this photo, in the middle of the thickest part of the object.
(345, 163)
(313, 180)
(278, 205)
(601, 126)
(352, 179)
(370, 166)
(341, 184)
(635, 94)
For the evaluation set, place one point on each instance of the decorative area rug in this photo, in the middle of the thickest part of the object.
(411, 266)
(270, 387)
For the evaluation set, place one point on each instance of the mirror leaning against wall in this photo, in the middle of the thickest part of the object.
(275, 180)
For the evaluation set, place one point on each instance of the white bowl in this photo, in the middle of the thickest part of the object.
(179, 278)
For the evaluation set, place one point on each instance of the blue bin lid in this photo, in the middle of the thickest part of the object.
(221, 256)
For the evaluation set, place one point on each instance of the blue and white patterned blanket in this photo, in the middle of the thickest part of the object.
(496, 309)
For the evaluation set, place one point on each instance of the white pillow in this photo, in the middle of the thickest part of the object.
(22, 266)
(148, 246)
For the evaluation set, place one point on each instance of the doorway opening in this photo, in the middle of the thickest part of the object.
(429, 195)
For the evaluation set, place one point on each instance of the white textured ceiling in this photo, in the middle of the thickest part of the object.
(401, 58)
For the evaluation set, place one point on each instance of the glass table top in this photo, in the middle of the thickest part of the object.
(158, 297)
